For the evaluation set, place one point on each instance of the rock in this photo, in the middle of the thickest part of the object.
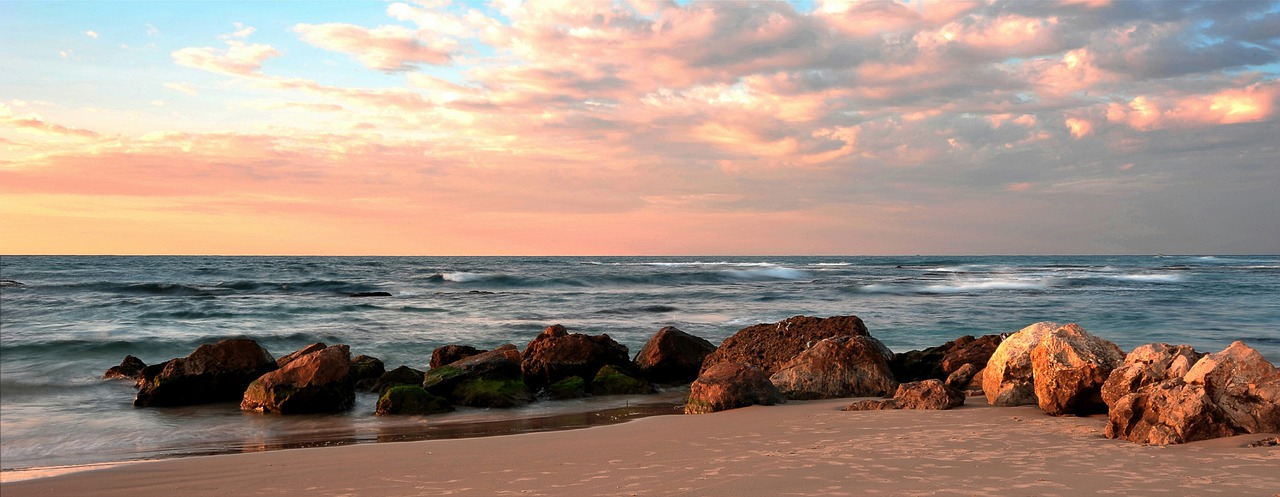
(1266, 442)
(490, 379)
(316, 382)
(612, 380)
(371, 294)
(129, 369)
(672, 356)
(841, 366)
(963, 378)
(318, 346)
(573, 387)
(1069, 366)
(939, 362)
(1007, 380)
(452, 353)
(872, 405)
(730, 385)
(927, 394)
(410, 400)
(403, 375)
(212, 373)
(1232, 392)
(1147, 365)
(365, 371)
(769, 346)
(556, 354)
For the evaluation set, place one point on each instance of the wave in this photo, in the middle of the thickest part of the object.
(737, 274)
(174, 289)
(958, 287)
(1149, 278)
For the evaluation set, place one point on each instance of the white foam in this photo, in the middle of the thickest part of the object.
(1150, 278)
(975, 286)
(463, 277)
(773, 273)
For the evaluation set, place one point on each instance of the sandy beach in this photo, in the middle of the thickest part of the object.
(801, 448)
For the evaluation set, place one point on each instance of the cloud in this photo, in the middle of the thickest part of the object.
(238, 59)
(1253, 103)
(386, 48)
(33, 123)
(182, 88)
(91, 34)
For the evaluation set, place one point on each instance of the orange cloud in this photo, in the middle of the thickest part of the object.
(1253, 103)
(386, 48)
(1080, 128)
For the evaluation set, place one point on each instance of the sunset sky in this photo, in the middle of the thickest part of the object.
(639, 127)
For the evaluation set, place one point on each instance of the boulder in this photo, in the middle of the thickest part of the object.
(1146, 365)
(672, 356)
(730, 385)
(612, 380)
(769, 346)
(217, 372)
(1169, 412)
(410, 400)
(928, 394)
(129, 369)
(842, 366)
(490, 379)
(316, 382)
(451, 353)
(288, 358)
(555, 354)
(963, 378)
(1069, 366)
(573, 387)
(1007, 380)
(1243, 384)
(939, 362)
(872, 405)
(403, 375)
(365, 371)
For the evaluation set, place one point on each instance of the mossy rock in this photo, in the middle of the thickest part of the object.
(486, 392)
(403, 375)
(573, 387)
(613, 381)
(411, 400)
(442, 380)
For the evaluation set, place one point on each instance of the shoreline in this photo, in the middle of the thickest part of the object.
(801, 448)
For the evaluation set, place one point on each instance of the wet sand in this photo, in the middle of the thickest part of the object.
(801, 448)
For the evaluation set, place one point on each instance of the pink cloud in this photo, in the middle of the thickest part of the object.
(386, 48)
(1079, 128)
(238, 59)
(1253, 103)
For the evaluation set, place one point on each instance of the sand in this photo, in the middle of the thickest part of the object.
(801, 448)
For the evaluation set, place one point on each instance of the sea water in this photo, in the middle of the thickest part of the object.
(64, 320)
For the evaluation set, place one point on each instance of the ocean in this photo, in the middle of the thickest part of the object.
(64, 320)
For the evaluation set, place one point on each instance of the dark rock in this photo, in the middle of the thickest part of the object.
(365, 371)
(217, 372)
(316, 382)
(403, 375)
(927, 394)
(490, 379)
(872, 405)
(410, 400)
(672, 356)
(842, 366)
(611, 380)
(573, 387)
(730, 385)
(487, 392)
(556, 354)
(129, 369)
(371, 294)
(315, 347)
(769, 346)
(1069, 366)
(1266, 442)
(452, 353)
(963, 378)
(939, 362)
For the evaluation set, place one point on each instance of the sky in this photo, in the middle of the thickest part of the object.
(640, 127)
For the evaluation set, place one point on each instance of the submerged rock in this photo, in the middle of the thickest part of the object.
(217, 372)
(769, 346)
(410, 400)
(730, 385)
(556, 354)
(316, 382)
(365, 371)
(842, 366)
(129, 369)
(672, 356)
(573, 387)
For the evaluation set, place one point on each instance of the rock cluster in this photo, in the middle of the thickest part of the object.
(217, 372)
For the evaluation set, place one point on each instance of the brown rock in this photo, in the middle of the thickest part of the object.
(315, 347)
(556, 354)
(365, 371)
(927, 394)
(730, 385)
(403, 375)
(939, 362)
(672, 356)
(212, 373)
(129, 369)
(1069, 366)
(489, 379)
(769, 346)
(451, 353)
(872, 405)
(316, 382)
(1147, 365)
(842, 366)
(962, 379)
(1244, 385)
(1169, 412)
(1007, 380)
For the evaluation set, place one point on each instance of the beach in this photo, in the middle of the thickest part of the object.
(800, 448)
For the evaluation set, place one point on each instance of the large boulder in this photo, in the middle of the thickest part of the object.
(940, 361)
(1007, 380)
(1069, 366)
(217, 372)
(490, 379)
(769, 346)
(403, 375)
(842, 366)
(1232, 392)
(410, 400)
(672, 356)
(730, 385)
(129, 369)
(449, 354)
(288, 358)
(316, 382)
(365, 371)
(928, 394)
(1146, 365)
(556, 354)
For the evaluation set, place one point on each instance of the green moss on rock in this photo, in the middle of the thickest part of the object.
(485, 392)
(613, 381)
(411, 400)
(573, 387)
